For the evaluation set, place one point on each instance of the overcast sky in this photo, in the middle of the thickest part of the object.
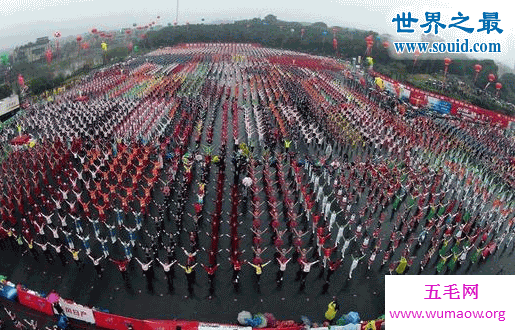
(22, 21)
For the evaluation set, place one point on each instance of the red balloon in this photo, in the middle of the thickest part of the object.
(386, 44)
(447, 61)
(175, 23)
(478, 68)
(498, 86)
(153, 23)
(491, 77)
(79, 38)
(94, 31)
(335, 44)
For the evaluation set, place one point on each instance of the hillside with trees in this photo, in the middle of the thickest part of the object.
(315, 38)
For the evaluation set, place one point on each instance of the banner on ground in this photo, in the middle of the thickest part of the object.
(439, 105)
(76, 311)
(32, 300)
(9, 104)
(171, 325)
(111, 321)
(214, 326)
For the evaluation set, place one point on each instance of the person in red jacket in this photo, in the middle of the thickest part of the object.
(122, 267)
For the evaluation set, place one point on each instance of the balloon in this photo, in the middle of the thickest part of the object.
(134, 25)
(128, 32)
(324, 33)
(175, 23)
(292, 30)
(136, 48)
(498, 86)
(202, 20)
(79, 38)
(85, 45)
(187, 23)
(104, 46)
(94, 31)
(386, 44)
(143, 36)
(447, 61)
(477, 68)
(335, 44)
(57, 34)
(158, 17)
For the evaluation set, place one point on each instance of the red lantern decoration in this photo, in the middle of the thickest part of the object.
(446, 61)
(21, 81)
(370, 42)
(48, 55)
(416, 55)
(498, 86)
(491, 79)
(478, 69)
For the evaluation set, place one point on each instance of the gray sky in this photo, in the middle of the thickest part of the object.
(22, 21)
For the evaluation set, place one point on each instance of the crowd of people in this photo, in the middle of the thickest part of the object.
(298, 165)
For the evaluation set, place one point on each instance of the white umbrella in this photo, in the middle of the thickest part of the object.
(243, 316)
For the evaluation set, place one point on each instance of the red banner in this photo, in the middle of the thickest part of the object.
(418, 98)
(111, 321)
(33, 301)
(170, 325)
